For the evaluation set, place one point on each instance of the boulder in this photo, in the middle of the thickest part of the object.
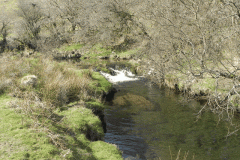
(115, 56)
(78, 55)
(30, 80)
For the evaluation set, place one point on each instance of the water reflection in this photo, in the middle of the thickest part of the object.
(119, 131)
(168, 126)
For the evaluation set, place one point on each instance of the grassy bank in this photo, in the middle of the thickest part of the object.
(98, 57)
(53, 118)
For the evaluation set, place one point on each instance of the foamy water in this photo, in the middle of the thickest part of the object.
(121, 76)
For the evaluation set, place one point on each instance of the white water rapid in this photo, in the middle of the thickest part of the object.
(120, 76)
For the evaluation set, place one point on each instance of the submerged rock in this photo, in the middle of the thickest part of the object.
(133, 100)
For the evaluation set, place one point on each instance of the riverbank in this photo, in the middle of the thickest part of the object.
(54, 113)
(206, 87)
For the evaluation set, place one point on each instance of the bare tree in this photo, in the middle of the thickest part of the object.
(4, 29)
(3, 34)
(69, 10)
(32, 20)
(196, 39)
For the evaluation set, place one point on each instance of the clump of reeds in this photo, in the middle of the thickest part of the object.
(58, 84)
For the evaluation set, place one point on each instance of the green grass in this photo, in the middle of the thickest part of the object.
(128, 52)
(71, 47)
(98, 50)
(93, 104)
(91, 61)
(103, 69)
(100, 83)
(18, 141)
(81, 119)
(104, 151)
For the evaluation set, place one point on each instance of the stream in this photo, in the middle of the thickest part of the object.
(148, 122)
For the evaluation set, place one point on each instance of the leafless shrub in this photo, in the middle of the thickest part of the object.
(32, 16)
(5, 23)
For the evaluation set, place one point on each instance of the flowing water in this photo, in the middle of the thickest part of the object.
(147, 122)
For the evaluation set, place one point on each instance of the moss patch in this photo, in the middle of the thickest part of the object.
(100, 83)
(71, 47)
(93, 104)
(104, 151)
(81, 120)
(127, 53)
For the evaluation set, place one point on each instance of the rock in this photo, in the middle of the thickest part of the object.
(30, 80)
(69, 56)
(78, 55)
(115, 57)
(112, 72)
(103, 57)
(109, 96)
(127, 57)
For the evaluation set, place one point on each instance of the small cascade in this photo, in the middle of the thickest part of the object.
(120, 76)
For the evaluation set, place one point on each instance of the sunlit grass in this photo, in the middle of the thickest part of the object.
(71, 47)
(100, 83)
(18, 140)
(102, 150)
(128, 52)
